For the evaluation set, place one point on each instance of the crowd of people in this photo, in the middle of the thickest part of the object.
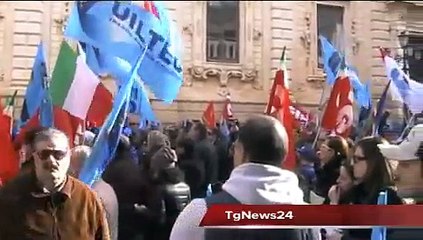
(162, 181)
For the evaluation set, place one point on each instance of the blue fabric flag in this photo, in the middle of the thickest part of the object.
(126, 30)
(331, 60)
(379, 233)
(108, 139)
(35, 89)
(362, 93)
(333, 63)
(103, 64)
(46, 108)
(140, 103)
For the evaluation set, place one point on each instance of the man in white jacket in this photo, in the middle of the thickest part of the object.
(261, 147)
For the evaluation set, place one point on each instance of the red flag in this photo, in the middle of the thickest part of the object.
(9, 164)
(279, 107)
(208, 116)
(338, 116)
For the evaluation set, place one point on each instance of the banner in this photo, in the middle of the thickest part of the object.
(314, 215)
(124, 29)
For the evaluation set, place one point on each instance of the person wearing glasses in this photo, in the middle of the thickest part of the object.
(47, 203)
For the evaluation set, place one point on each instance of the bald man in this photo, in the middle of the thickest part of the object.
(260, 148)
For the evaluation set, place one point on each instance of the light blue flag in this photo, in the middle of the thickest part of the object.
(379, 233)
(362, 93)
(46, 108)
(332, 60)
(35, 89)
(125, 29)
(108, 139)
(120, 70)
(140, 103)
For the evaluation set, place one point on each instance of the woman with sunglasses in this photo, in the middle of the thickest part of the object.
(373, 174)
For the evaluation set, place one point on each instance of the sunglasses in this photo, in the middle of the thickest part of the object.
(133, 124)
(57, 154)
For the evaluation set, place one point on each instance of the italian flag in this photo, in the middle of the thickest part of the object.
(77, 90)
(77, 95)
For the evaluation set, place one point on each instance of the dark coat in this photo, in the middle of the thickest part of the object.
(124, 177)
(73, 213)
(164, 199)
(205, 152)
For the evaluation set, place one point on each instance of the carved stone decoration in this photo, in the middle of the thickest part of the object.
(306, 36)
(243, 75)
(198, 73)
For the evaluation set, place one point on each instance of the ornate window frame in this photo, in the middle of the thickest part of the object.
(348, 25)
(200, 69)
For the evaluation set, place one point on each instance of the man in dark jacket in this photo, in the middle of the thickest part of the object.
(205, 152)
(46, 203)
(123, 175)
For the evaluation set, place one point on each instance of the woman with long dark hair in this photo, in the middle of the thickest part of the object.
(332, 152)
(373, 174)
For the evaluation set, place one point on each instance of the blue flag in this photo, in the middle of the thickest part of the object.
(46, 108)
(35, 89)
(379, 233)
(126, 30)
(103, 64)
(108, 139)
(140, 103)
(362, 93)
(332, 60)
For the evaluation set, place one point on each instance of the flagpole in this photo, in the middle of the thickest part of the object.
(322, 107)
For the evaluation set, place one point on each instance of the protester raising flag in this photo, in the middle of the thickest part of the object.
(338, 116)
(35, 89)
(279, 107)
(209, 118)
(102, 25)
(9, 163)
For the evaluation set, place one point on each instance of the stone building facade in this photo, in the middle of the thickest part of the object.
(239, 54)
